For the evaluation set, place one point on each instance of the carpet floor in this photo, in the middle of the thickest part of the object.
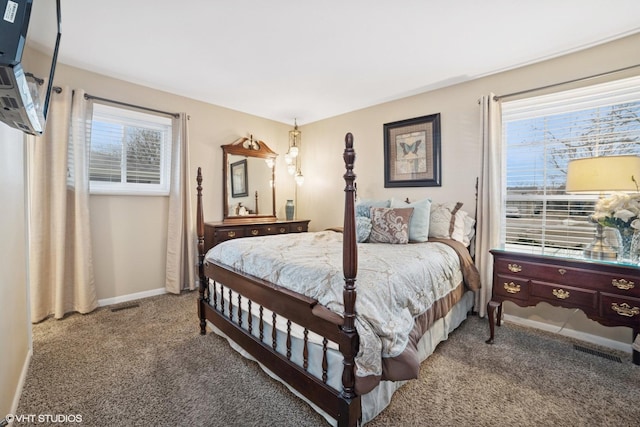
(147, 365)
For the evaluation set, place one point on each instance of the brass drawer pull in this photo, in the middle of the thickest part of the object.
(623, 284)
(562, 271)
(299, 228)
(560, 293)
(282, 229)
(231, 234)
(512, 288)
(255, 232)
(514, 268)
(625, 309)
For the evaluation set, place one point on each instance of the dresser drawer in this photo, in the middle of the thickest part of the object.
(622, 309)
(259, 230)
(569, 275)
(619, 284)
(511, 287)
(298, 227)
(567, 296)
(223, 234)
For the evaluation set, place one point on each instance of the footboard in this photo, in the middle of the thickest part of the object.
(246, 309)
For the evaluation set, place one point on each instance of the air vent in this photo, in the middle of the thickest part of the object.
(21, 126)
(8, 102)
(597, 353)
(5, 80)
(124, 307)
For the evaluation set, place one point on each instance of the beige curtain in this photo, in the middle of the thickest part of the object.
(181, 235)
(60, 260)
(490, 196)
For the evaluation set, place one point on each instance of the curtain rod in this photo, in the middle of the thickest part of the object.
(97, 98)
(580, 79)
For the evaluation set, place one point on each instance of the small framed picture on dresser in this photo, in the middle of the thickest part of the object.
(239, 179)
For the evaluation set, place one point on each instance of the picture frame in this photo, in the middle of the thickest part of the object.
(239, 179)
(412, 152)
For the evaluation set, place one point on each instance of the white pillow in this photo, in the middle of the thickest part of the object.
(469, 230)
(447, 221)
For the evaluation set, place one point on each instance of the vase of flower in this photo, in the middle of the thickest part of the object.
(634, 252)
(621, 212)
(626, 235)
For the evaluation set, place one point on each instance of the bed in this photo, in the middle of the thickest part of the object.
(291, 303)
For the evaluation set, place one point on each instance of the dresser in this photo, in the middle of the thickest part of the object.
(606, 292)
(216, 232)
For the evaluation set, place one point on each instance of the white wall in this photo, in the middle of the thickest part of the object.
(15, 329)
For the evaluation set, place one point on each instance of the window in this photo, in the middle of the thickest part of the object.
(541, 135)
(130, 152)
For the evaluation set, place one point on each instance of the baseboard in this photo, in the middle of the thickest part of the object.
(131, 297)
(21, 381)
(571, 333)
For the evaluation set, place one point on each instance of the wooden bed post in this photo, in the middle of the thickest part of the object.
(350, 267)
(201, 254)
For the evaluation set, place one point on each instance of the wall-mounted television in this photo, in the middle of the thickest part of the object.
(29, 41)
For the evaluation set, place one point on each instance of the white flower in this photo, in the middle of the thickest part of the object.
(618, 210)
(624, 214)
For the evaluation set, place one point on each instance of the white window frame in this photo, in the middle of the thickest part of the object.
(600, 95)
(127, 117)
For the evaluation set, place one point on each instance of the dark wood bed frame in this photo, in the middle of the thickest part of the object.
(343, 405)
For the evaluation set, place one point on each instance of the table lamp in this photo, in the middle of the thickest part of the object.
(599, 175)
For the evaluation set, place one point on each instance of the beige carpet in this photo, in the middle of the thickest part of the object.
(148, 366)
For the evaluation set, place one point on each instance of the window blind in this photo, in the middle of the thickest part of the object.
(541, 134)
(130, 151)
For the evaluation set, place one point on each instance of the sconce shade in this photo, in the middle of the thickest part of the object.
(595, 175)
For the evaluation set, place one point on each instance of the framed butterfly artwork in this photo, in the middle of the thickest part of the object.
(412, 152)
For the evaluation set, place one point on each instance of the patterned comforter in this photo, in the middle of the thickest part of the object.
(395, 283)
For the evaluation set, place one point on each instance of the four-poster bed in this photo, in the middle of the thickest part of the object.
(285, 302)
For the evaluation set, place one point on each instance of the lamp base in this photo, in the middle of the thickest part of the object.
(599, 249)
(604, 254)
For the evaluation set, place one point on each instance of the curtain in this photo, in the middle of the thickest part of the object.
(490, 196)
(60, 257)
(181, 234)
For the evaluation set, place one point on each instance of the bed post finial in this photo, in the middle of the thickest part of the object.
(201, 254)
(350, 267)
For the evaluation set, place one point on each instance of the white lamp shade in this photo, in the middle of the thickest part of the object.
(603, 174)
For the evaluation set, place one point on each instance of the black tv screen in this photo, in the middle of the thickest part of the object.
(29, 41)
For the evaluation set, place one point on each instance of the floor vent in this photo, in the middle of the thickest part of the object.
(597, 353)
(124, 306)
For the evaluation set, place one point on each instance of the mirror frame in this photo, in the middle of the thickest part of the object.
(248, 148)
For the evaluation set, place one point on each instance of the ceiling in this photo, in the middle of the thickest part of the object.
(286, 59)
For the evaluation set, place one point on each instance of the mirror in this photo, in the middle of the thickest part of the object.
(249, 193)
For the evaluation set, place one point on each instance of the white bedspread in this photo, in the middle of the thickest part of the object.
(394, 283)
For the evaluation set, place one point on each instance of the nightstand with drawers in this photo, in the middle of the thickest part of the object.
(606, 292)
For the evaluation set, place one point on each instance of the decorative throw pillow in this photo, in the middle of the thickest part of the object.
(390, 225)
(419, 224)
(447, 221)
(363, 207)
(363, 229)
